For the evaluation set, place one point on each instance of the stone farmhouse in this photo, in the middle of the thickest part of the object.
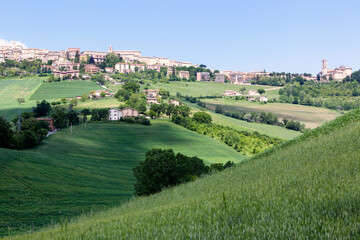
(253, 93)
(263, 99)
(231, 93)
(174, 102)
(151, 92)
(152, 100)
(50, 121)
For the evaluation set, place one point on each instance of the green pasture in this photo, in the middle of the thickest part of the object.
(107, 102)
(197, 89)
(88, 169)
(14, 88)
(311, 116)
(64, 89)
(33, 89)
(307, 188)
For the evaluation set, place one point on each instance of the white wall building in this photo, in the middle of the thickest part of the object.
(115, 114)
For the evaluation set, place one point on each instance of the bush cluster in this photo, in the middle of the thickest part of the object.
(141, 120)
(242, 141)
(163, 168)
(31, 133)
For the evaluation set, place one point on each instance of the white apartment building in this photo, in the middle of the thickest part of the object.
(115, 114)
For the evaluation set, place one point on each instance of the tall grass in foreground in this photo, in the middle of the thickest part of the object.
(307, 188)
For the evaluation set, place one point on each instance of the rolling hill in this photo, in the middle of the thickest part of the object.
(89, 169)
(33, 89)
(306, 188)
(311, 116)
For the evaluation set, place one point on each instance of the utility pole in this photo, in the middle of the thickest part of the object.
(19, 122)
(207, 88)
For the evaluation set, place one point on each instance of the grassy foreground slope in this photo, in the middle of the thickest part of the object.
(308, 188)
(87, 170)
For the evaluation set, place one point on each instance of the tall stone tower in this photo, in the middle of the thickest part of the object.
(324, 67)
(110, 50)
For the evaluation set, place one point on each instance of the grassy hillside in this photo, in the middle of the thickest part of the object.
(197, 89)
(66, 89)
(11, 89)
(270, 130)
(307, 188)
(89, 169)
(33, 89)
(108, 102)
(311, 116)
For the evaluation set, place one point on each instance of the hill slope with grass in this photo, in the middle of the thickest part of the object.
(89, 169)
(305, 188)
(64, 89)
(14, 88)
(312, 117)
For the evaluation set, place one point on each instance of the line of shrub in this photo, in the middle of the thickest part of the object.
(244, 142)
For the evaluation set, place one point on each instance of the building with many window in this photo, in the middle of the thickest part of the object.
(219, 77)
(203, 76)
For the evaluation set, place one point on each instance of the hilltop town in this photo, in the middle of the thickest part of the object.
(72, 62)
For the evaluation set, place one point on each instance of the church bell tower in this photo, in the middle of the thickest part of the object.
(324, 67)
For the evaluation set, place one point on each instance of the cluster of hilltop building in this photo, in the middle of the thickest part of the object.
(337, 74)
(133, 61)
(18, 53)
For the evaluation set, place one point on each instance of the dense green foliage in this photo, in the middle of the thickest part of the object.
(202, 117)
(42, 108)
(127, 90)
(162, 169)
(242, 141)
(6, 134)
(306, 188)
(11, 68)
(88, 169)
(30, 134)
(335, 95)
(99, 114)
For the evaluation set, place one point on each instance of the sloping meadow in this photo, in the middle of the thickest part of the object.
(305, 188)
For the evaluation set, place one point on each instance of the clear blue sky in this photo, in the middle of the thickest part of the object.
(289, 35)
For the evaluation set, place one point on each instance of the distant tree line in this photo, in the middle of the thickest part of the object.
(12, 68)
(333, 95)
